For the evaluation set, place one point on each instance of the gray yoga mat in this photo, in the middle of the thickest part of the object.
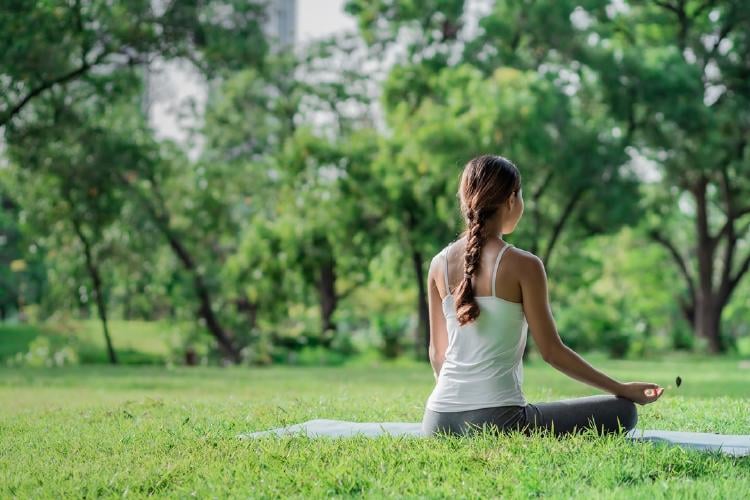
(734, 445)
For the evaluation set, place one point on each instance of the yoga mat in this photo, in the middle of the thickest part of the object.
(733, 445)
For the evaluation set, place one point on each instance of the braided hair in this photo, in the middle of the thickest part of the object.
(487, 182)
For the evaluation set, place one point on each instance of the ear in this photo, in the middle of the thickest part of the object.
(511, 202)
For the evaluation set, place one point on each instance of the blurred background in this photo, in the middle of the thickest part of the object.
(265, 182)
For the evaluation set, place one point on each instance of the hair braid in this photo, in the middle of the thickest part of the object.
(486, 183)
(466, 307)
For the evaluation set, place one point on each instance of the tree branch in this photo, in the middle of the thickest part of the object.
(732, 213)
(738, 276)
(567, 211)
(723, 33)
(14, 110)
(742, 212)
(667, 6)
(654, 235)
(543, 186)
(706, 5)
(682, 17)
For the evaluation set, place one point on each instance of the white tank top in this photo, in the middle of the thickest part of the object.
(483, 361)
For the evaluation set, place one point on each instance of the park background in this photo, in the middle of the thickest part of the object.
(288, 206)
(253, 186)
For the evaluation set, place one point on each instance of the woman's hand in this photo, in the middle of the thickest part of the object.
(640, 392)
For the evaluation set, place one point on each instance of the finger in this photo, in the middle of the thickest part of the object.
(653, 393)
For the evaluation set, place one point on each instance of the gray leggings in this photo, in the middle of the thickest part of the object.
(606, 414)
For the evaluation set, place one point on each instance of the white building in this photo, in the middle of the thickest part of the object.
(171, 84)
(281, 24)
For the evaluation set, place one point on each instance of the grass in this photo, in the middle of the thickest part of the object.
(136, 342)
(127, 431)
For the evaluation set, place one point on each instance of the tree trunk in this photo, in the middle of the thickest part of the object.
(101, 303)
(422, 333)
(205, 310)
(707, 313)
(706, 302)
(708, 324)
(249, 309)
(328, 299)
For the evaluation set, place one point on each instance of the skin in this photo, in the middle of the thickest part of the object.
(521, 278)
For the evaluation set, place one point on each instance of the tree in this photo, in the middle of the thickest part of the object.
(22, 272)
(259, 130)
(58, 59)
(677, 72)
(69, 174)
(519, 93)
(47, 44)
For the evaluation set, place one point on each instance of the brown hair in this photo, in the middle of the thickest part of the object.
(487, 182)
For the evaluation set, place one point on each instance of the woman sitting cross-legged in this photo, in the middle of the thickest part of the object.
(484, 294)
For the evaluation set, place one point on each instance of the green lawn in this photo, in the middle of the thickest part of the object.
(139, 431)
(136, 342)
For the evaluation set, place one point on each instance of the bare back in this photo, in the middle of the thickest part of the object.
(507, 281)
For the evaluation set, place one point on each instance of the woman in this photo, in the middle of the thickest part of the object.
(480, 312)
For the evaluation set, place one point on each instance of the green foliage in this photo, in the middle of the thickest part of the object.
(613, 296)
(308, 219)
(22, 271)
(389, 330)
(49, 43)
(42, 353)
(139, 343)
(436, 20)
(16, 339)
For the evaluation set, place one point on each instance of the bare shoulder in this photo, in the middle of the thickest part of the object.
(528, 265)
(437, 264)
(438, 260)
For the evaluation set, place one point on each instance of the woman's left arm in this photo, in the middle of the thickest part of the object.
(438, 329)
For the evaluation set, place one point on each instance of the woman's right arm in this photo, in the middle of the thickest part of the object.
(542, 325)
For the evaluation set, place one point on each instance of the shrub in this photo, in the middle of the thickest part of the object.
(389, 330)
(43, 353)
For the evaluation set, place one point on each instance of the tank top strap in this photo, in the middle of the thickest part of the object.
(445, 272)
(497, 261)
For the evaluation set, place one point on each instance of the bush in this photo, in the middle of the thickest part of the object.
(389, 330)
(259, 352)
(617, 343)
(189, 341)
(343, 343)
(682, 337)
(43, 353)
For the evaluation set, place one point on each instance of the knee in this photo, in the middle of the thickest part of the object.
(627, 414)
